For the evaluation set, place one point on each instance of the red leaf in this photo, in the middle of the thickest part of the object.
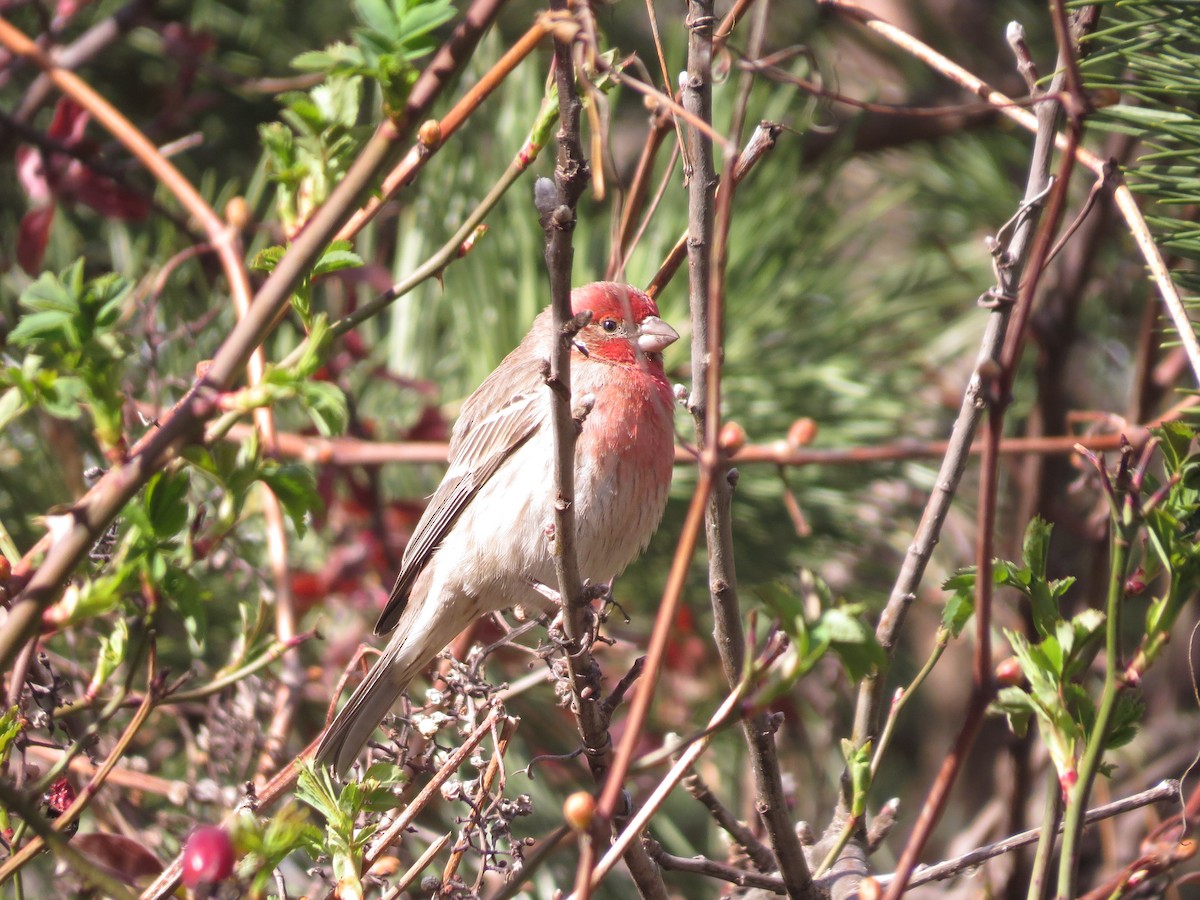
(31, 172)
(119, 856)
(69, 122)
(104, 195)
(65, 10)
(32, 236)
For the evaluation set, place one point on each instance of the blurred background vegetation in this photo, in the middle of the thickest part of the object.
(856, 256)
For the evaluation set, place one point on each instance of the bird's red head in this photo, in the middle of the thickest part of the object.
(625, 327)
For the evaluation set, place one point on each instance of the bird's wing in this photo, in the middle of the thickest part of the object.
(481, 443)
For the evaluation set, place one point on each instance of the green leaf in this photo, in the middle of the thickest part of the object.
(12, 405)
(376, 15)
(1017, 706)
(296, 487)
(961, 605)
(10, 727)
(166, 504)
(337, 257)
(188, 597)
(36, 326)
(787, 607)
(1126, 717)
(113, 646)
(268, 258)
(1175, 443)
(851, 640)
(1036, 546)
(326, 405)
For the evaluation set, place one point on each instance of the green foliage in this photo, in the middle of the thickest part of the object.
(858, 764)
(1051, 666)
(295, 379)
(815, 624)
(392, 37)
(335, 258)
(261, 848)
(76, 351)
(342, 841)
(311, 149)
(1171, 533)
(1029, 578)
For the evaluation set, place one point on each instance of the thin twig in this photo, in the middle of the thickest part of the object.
(762, 140)
(709, 220)
(81, 51)
(84, 797)
(1010, 262)
(417, 867)
(653, 803)
(759, 853)
(392, 833)
(996, 394)
(53, 838)
(1122, 196)
(661, 122)
(556, 207)
(950, 868)
(1167, 790)
(710, 868)
(484, 787)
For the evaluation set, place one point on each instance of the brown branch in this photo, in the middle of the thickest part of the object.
(970, 860)
(1122, 196)
(710, 213)
(997, 398)
(943, 870)
(482, 790)
(81, 51)
(710, 868)
(346, 452)
(177, 793)
(758, 852)
(556, 207)
(762, 140)
(1009, 264)
(661, 123)
(399, 825)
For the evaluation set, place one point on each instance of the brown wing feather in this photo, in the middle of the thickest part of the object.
(493, 424)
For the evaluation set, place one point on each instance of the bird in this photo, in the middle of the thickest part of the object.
(483, 542)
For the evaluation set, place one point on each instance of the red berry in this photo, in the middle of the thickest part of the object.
(732, 437)
(578, 810)
(1008, 671)
(207, 856)
(802, 433)
(1066, 781)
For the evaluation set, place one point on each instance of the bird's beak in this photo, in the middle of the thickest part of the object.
(655, 335)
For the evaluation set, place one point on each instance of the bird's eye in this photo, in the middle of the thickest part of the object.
(609, 325)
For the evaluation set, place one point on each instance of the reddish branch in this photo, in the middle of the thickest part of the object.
(344, 452)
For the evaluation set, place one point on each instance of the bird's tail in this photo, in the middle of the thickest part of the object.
(347, 734)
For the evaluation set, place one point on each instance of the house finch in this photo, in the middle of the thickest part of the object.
(483, 542)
